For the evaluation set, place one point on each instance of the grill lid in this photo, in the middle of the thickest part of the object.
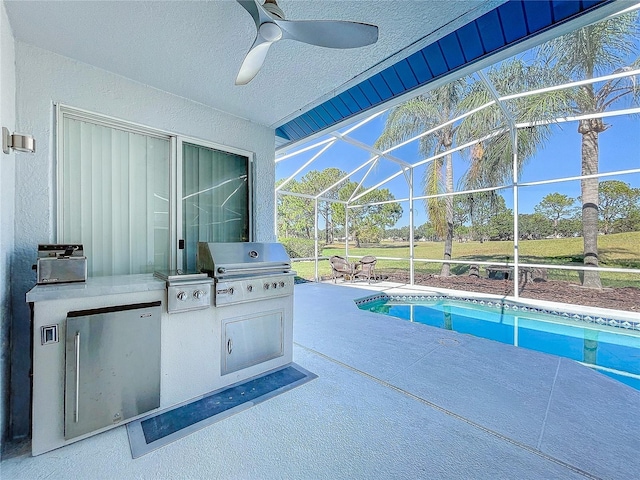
(225, 260)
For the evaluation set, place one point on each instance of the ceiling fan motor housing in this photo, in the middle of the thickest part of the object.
(270, 32)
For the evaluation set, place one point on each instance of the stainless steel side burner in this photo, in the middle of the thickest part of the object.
(186, 291)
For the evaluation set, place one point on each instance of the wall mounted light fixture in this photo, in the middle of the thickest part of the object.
(18, 141)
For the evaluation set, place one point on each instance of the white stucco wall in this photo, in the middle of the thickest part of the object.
(7, 180)
(44, 78)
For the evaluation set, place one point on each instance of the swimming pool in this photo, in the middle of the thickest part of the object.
(603, 344)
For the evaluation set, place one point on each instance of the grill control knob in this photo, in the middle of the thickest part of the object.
(274, 285)
(198, 294)
(182, 296)
(266, 286)
(249, 288)
(281, 284)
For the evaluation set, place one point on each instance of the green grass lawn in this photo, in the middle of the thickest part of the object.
(620, 250)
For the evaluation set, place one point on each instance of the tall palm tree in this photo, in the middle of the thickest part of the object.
(491, 161)
(417, 116)
(598, 49)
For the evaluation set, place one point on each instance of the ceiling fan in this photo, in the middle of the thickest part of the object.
(271, 27)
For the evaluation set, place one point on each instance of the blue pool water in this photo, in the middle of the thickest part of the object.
(612, 351)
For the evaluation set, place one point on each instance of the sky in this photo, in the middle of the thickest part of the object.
(560, 157)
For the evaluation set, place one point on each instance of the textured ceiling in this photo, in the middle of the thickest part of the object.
(194, 48)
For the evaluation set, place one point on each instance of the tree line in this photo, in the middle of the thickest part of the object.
(485, 217)
(476, 217)
(367, 223)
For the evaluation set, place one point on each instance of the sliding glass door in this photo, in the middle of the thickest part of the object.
(215, 198)
(140, 200)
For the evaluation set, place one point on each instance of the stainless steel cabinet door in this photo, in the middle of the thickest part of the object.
(112, 366)
(251, 340)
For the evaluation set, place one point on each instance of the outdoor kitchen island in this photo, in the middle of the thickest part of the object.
(173, 357)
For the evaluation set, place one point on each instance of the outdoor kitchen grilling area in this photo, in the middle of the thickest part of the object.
(114, 350)
(252, 333)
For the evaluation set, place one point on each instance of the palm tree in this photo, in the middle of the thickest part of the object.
(491, 161)
(598, 49)
(417, 116)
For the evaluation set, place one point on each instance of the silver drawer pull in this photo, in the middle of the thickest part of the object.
(77, 345)
(229, 346)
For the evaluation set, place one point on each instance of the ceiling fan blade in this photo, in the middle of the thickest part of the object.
(250, 6)
(257, 11)
(253, 61)
(329, 33)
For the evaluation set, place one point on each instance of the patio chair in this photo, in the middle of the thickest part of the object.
(366, 268)
(340, 267)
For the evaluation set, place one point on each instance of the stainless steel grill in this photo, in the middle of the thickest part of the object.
(246, 271)
(253, 295)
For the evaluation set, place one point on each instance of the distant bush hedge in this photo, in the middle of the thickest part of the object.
(300, 247)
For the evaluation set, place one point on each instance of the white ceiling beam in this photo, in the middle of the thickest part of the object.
(302, 150)
(355, 191)
(348, 175)
(367, 148)
(311, 160)
(388, 179)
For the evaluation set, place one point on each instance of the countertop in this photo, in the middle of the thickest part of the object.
(96, 286)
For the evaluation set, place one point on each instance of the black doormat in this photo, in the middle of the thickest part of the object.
(161, 428)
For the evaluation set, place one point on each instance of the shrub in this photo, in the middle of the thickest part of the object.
(300, 247)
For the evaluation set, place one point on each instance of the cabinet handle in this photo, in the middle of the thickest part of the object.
(77, 345)
(229, 346)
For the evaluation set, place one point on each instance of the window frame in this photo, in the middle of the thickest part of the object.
(175, 169)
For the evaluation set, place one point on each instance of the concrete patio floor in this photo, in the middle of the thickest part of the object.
(393, 400)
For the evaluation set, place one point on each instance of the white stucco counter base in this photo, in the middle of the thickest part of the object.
(192, 346)
(50, 306)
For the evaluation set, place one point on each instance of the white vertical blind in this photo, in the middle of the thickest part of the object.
(115, 197)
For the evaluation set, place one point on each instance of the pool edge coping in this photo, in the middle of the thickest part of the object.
(595, 316)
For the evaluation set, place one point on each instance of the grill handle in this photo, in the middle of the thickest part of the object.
(284, 267)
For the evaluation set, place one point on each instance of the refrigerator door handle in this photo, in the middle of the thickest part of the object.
(77, 349)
